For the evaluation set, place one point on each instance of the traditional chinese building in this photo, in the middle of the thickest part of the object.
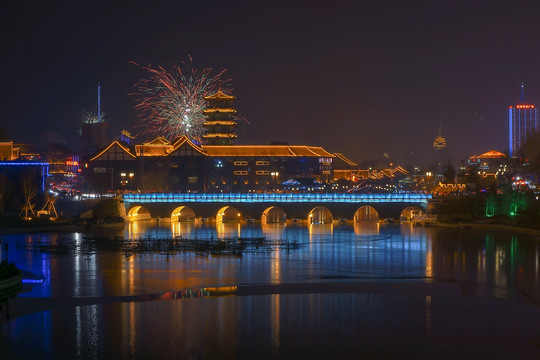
(220, 123)
(185, 166)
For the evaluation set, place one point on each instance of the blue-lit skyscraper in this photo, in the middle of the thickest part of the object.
(522, 121)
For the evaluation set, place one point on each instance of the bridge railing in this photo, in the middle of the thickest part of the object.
(275, 197)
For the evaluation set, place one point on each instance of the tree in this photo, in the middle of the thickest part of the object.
(449, 172)
(4, 191)
(29, 189)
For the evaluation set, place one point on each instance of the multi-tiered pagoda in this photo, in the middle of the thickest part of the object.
(220, 123)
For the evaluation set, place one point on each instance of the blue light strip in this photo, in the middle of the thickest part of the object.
(510, 131)
(276, 198)
(44, 168)
(10, 163)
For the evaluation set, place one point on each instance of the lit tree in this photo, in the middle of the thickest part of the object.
(29, 192)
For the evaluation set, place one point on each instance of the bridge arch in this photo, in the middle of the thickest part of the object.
(139, 213)
(228, 214)
(366, 213)
(407, 213)
(320, 215)
(273, 215)
(183, 214)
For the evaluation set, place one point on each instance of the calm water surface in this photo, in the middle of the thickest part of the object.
(363, 291)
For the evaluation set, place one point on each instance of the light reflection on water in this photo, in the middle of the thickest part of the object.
(469, 266)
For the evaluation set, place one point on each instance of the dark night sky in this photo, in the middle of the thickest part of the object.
(359, 78)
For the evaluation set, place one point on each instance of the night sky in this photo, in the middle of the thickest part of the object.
(361, 78)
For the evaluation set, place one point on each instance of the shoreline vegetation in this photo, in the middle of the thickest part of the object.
(16, 225)
(486, 226)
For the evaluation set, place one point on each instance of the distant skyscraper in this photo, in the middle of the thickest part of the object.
(522, 121)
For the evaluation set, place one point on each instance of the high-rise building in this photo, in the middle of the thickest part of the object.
(522, 121)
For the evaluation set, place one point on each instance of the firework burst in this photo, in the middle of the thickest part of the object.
(171, 102)
(92, 118)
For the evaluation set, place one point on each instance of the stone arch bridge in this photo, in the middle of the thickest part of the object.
(271, 207)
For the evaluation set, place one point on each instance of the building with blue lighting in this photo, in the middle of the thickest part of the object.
(522, 122)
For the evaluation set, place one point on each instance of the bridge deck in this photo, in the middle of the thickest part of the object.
(276, 197)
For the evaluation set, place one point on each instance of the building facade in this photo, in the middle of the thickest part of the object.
(182, 165)
(522, 122)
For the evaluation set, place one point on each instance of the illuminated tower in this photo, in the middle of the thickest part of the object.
(220, 122)
(522, 121)
(440, 141)
(94, 130)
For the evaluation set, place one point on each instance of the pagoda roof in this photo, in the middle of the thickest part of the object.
(220, 122)
(219, 135)
(266, 150)
(219, 110)
(345, 159)
(492, 154)
(220, 95)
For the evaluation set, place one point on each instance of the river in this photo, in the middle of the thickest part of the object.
(367, 290)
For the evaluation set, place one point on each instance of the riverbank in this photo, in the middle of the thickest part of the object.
(10, 226)
(487, 226)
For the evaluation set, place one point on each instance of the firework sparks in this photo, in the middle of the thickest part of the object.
(171, 103)
(92, 118)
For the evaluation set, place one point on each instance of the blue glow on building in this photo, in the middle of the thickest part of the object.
(44, 168)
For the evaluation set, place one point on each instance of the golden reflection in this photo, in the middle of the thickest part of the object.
(133, 229)
(275, 269)
(316, 231)
(429, 259)
(132, 329)
(182, 228)
(366, 228)
(409, 231)
(320, 229)
(273, 231)
(275, 315)
(227, 229)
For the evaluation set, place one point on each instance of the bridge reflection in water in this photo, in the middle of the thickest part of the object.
(318, 294)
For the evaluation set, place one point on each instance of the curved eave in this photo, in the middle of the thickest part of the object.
(219, 110)
(210, 123)
(212, 136)
(185, 140)
(220, 95)
(111, 145)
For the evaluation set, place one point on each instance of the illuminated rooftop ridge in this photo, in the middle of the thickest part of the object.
(219, 95)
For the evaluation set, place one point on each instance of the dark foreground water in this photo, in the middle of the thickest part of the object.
(367, 291)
